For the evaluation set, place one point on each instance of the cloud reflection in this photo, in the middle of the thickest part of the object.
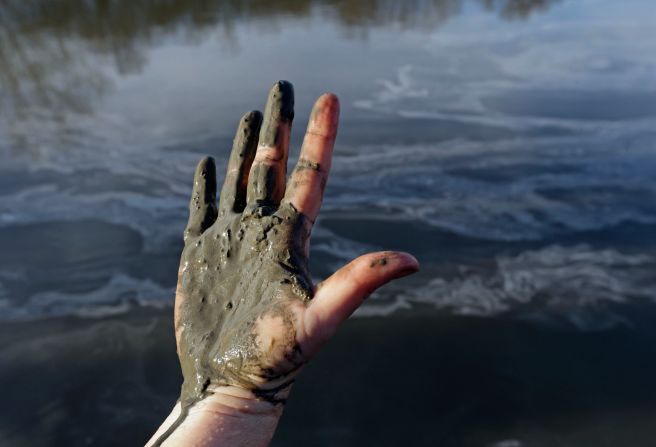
(53, 53)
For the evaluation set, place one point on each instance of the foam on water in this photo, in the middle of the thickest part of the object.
(120, 294)
(465, 133)
(575, 283)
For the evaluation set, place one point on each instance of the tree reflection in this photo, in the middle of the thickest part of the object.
(51, 51)
(517, 9)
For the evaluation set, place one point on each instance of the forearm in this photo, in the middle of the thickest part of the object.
(229, 417)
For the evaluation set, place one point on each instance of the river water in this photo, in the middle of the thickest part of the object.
(509, 145)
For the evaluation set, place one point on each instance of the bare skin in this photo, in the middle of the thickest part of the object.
(247, 316)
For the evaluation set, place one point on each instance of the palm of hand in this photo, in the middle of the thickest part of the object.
(246, 286)
(246, 313)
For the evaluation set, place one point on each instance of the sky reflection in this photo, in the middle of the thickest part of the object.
(504, 123)
(58, 57)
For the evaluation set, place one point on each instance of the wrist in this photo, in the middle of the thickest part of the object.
(228, 415)
(239, 402)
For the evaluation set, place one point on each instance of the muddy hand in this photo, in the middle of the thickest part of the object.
(247, 314)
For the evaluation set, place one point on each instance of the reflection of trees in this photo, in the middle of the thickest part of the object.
(50, 50)
(517, 9)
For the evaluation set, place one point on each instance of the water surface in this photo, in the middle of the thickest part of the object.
(510, 145)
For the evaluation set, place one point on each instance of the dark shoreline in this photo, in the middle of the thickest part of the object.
(412, 378)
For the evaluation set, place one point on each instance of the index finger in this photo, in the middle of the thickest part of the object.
(308, 180)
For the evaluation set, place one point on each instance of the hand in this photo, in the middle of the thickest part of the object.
(247, 316)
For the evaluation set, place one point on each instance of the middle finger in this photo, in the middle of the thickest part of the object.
(266, 183)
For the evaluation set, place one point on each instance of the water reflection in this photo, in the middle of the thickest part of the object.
(513, 157)
(53, 53)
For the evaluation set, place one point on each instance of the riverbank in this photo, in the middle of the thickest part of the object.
(415, 378)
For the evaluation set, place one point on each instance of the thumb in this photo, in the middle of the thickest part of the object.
(337, 297)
